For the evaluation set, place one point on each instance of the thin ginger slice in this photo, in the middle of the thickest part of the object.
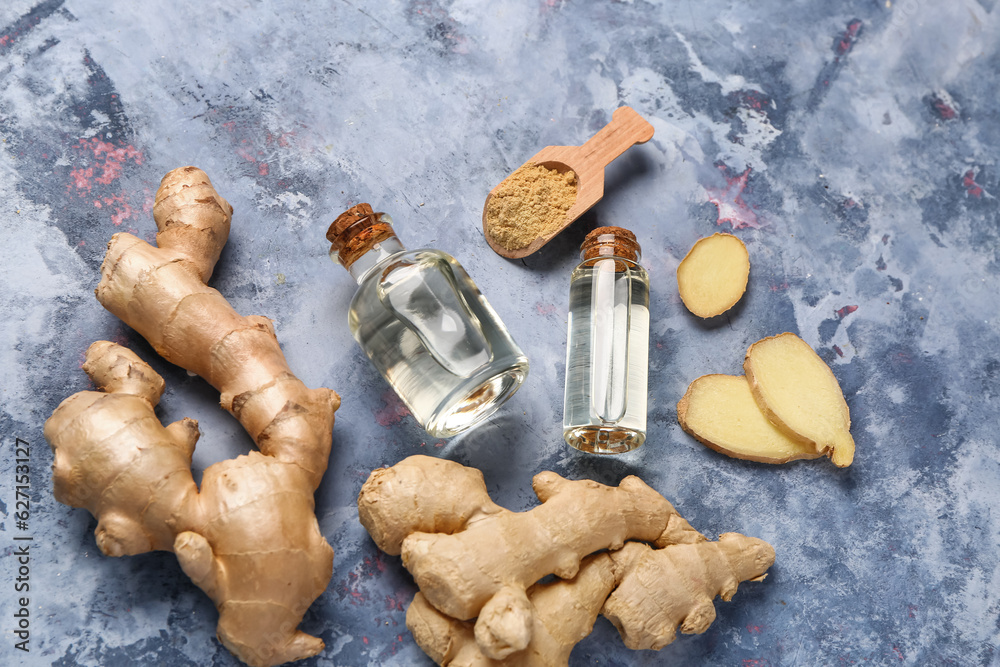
(721, 413)
(799, 393)
(713, 276)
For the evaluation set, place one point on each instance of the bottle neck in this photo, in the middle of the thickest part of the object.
(361, 238)
(610, 242)
(364, 263)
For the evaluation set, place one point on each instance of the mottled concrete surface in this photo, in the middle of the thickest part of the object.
(852, 145)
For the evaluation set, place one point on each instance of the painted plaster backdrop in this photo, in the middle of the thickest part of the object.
(852, 146)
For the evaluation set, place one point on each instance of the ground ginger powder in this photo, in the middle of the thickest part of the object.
(530, 203)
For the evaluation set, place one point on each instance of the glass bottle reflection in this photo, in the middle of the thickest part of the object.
(425, 325)
(607, 355)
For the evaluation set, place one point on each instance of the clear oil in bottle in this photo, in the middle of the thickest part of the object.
(607, 354)
(425, 326)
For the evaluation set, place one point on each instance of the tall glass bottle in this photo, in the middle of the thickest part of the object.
(425, 325)
(607, 351)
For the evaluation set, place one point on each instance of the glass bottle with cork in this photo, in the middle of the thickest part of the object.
(607, 351)
(425, 325)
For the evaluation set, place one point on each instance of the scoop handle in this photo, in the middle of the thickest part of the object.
(626, 129)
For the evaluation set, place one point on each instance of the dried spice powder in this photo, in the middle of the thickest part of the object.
(530, 203)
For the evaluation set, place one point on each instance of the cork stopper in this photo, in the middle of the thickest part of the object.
(610, 242)
(355, 231)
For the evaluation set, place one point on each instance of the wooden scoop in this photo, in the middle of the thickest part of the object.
(588, 161)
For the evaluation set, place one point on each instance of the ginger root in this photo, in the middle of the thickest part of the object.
(452, 569)
(713, 276)
(249, 537)
(563, 612)
(475, 560)
(661, 589)
(789, 406)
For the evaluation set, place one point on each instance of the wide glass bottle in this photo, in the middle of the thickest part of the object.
(425, 325)
(607, 351)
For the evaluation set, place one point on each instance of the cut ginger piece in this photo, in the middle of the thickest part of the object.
(798, 392)
(721, 413)
(713, 276)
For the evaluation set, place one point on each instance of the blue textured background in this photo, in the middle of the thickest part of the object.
(852, 145)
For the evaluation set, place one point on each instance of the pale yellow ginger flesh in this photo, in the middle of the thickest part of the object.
(488, 563)
(249, 536)
(721, 413)
(713, 276)
(798, 392)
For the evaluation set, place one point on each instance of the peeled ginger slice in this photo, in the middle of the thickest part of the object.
(799, 393)
(713, 276)
(720, 412)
